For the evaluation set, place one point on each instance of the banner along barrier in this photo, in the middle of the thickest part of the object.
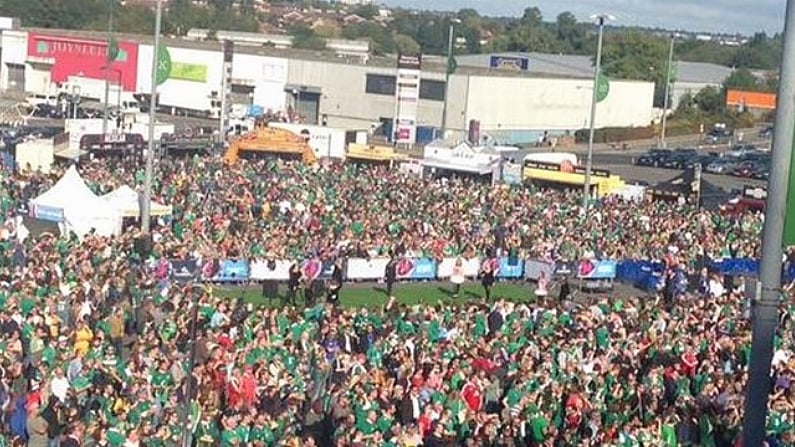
(360, 269)
(510, 268)
(471, 267)
(183, 270)
(274, 270)
(416, 268)
(534, 268)
(593, 269)
(232, 271)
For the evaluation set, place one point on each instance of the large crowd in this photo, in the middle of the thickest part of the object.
(96, 352)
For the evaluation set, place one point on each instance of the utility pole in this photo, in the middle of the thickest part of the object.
(108, 62)
(667, 91)
(146, 209)
(764, 316)
(447, 70)
(586, 196)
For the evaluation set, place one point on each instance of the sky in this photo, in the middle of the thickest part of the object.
(730, 16)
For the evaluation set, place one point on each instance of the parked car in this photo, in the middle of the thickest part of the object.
(767, 132)
(654, 157)
(741, 150)
(721, 166)
(719, 135)
(746, 169)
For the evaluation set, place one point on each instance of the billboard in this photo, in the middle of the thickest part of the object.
(85, 58)
(512, 63)
(407, 95)
(188, 72)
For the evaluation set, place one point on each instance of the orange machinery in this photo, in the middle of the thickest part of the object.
(264, 140)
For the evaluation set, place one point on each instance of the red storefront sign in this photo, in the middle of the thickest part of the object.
(85, 58)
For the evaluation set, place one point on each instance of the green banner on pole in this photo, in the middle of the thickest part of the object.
(789, 212)
(602, 88)
(451, 65)
(163, 70)
(113, 49)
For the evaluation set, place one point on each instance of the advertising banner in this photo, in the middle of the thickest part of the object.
(534, 268)
(407, 93)
(183, 270)
(593, 269)
(512, 173)
(509, 63)
(510, 268)
(471, 267)
(188, 72)
(275, 270)
(416, 268)
(48, 213)
(372, 269)
(232, 271)
(85, 58)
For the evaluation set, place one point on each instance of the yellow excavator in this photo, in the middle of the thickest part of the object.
(265, 141)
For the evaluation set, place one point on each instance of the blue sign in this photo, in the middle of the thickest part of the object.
(512, 63)
(416, 268)
(255, 111)
(232, 271)
(48, 213)
(593, 269)
(326, 269)
(510, 268)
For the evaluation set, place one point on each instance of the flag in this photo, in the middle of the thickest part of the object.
(451, 65)
(602, 88)
(113, 49)
(163, 69)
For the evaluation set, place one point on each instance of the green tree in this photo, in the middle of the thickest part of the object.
(136, 19)
(571, 34)
(304, 37)
(381, 40)
(710, 100)
(405, 44)
(638, 56)
(742, 79)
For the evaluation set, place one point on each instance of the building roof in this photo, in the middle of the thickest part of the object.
(581, 66)
(429, 63)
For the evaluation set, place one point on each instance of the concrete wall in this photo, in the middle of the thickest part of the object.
(15, 51)
(177, 92)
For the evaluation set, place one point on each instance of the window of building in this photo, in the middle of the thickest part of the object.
(433, 90)
(380, 84)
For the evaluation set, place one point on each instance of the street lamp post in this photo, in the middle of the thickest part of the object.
(146, 208)
(764, 317)
(450, 42)
(586, 197)
(108, 61)
(667, 91)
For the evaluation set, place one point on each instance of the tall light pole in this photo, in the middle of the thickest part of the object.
(146, 208)
(448, 71)
(765, 310)
(667, 91)
(108, 61)
(586, 196)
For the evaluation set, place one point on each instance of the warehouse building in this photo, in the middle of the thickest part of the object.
(510, 105)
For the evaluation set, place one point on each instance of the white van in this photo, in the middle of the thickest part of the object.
(39, 99)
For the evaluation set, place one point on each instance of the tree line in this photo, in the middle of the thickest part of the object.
(628, 53)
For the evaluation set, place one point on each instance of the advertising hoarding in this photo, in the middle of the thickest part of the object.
(407, 94)
(188, 72)
(85, 58)
(509, 63)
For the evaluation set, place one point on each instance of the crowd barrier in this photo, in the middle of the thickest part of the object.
(642, 273)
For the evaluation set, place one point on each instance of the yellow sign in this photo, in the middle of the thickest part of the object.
(188, 72)
(372, 152)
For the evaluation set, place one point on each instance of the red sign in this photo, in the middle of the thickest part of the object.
(85, 58)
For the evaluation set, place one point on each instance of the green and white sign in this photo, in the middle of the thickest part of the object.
(188, 72)
(602, 88)
(163, 69)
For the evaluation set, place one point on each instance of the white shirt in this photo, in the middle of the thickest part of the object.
(59, 386)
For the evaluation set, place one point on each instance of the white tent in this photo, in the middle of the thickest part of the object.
(129, 203)
(73, 204)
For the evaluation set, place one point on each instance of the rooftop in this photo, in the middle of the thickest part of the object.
(467, 65)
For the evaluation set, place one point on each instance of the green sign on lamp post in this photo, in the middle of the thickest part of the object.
(602, 88)
(163, 65)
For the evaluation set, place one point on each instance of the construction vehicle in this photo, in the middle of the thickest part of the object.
(269, 142)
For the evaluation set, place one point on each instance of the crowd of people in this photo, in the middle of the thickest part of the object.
(96, 352)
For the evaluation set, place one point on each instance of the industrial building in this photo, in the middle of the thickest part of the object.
(689, 77)
(323, 87)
